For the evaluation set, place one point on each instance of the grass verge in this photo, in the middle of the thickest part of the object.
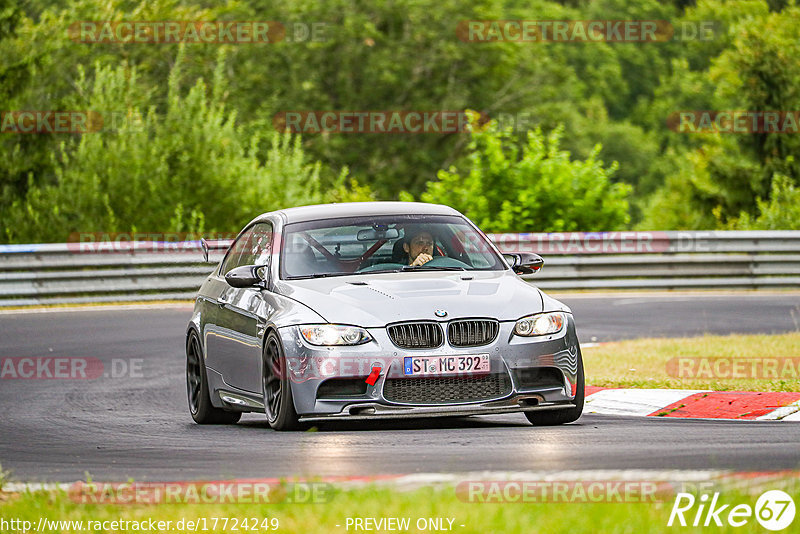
(376, 502)
(719, 363)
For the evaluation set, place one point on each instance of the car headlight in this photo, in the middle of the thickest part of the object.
(540, 324)
(331, 334)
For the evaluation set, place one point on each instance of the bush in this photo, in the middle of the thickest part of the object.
(188, 168)
(535, 187)
(780, 212)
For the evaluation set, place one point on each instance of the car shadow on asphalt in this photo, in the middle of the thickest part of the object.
(430, 423)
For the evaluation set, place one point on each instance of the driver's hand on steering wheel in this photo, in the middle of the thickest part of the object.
(421, 259)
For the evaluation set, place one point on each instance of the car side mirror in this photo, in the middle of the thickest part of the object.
(245, 276)
(524, 262)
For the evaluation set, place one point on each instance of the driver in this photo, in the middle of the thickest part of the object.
(419, 247)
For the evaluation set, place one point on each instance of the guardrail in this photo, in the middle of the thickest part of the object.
(150, 270)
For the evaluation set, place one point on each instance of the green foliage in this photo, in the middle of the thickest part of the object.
(485, 512)
(205, 154)
(535, 187)
(350, 191)
(727, 16)
(761, 71)
(39, 65)
(190, 166)
(780, 212)
(402, 55)
(713, 179)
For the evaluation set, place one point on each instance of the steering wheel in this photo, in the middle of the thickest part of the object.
(444, 261)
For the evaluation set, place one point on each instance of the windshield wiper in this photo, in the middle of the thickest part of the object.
(409, 268)
(404, 269)
(431, 268)
(379, 271)
(316, 275)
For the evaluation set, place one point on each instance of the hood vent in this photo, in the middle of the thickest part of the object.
(381, 292)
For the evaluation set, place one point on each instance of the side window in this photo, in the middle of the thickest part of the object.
(235, 252)
(252, 248)
(258, 246)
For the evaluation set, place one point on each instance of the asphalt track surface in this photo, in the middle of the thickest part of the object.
(116, 428)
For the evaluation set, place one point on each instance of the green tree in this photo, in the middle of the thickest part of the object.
(761, 72)
(189, 168)
(535, 187)
(39, 65)
(711, 180)
(780, 212)
(401, 55)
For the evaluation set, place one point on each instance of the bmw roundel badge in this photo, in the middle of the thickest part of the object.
(440, 313)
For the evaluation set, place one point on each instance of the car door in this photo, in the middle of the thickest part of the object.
(235, 345)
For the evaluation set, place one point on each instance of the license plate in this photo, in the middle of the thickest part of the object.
(446, 365)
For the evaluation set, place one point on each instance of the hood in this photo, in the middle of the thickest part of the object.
(374, 300)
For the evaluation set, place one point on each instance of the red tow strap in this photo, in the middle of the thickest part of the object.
(373, 376)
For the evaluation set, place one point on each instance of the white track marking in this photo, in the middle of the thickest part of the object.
(786, 413)
(634, 401)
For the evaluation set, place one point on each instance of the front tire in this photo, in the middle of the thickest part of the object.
(203, 412)
(560, 417)
(276, 387)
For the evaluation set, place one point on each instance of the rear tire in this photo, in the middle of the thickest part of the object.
(203, 412)
(562, 416)
(276, 386)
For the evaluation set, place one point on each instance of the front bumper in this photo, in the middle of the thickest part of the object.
(520, 403)
(530, 374)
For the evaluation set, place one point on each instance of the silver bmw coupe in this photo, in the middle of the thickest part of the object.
(377, 310)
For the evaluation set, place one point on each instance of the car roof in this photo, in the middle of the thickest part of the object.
(361, 209)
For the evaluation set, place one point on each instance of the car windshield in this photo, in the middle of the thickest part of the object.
(396, 243)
